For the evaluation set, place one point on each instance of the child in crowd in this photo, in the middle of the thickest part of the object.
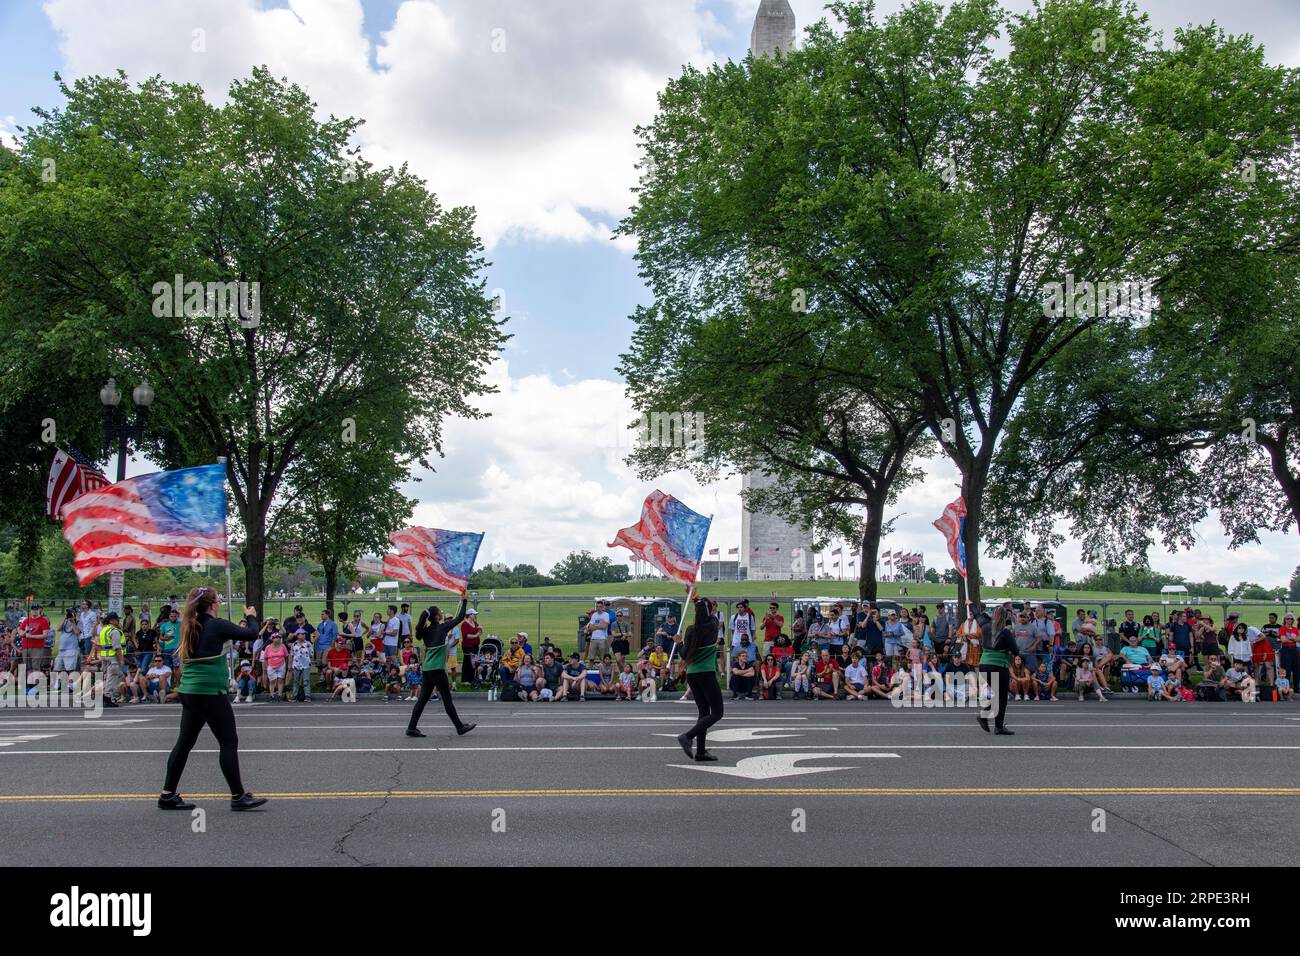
(799, 676)
(1044, 683)
(647, 686)
(484, 664)
(300, 653)
(1283, 685)
(1085, 680)
(413, 678)
(393, 682)
(245, 682)
(626, 683)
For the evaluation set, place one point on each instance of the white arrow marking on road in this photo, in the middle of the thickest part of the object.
(733, 734)
(775, 765)
(9, 740)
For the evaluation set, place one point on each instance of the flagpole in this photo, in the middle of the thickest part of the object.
(225, 531)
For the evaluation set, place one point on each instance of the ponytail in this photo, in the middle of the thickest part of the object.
(200, 601)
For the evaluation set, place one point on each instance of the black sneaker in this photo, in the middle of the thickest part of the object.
(413, 732)
(1002, 731)
(246, 801)
(463, 729)
(686, 746)
(984, 724)
(704, 756)
(174, 802)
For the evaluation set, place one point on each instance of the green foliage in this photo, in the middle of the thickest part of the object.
(357, 267)
(581, 567)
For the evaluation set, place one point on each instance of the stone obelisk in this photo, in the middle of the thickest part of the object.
(770, 547)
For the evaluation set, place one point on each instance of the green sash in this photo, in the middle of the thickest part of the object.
(204, 675)
(706, 659)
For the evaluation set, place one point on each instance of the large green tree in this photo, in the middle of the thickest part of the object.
(370, 296)
(936, 191)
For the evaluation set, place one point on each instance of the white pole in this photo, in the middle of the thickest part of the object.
(225, 530)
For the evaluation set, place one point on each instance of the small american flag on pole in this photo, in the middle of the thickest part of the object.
(72, 474)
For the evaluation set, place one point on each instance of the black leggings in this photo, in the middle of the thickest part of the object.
(1002, 677)
(215, 711)
(435, 680)
(708, 699)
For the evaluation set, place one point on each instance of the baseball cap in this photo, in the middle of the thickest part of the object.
(471, 611)
(111, 616)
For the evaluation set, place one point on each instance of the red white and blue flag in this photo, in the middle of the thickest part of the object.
(669, 536)
(71, 474)
(434, 557)
(953, 525)
(165, 520)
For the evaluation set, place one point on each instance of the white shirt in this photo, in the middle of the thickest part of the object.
(89, 623)
(742, 625)
(599, 625)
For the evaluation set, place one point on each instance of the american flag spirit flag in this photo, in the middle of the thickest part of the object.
(165, 520)
(71, 474)
(434, 557)
(669, 535)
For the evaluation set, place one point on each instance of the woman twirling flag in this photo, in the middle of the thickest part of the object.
(439, 559)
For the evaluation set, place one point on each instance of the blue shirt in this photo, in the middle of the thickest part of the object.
(326, 635)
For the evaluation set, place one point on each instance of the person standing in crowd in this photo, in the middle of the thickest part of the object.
(773, 624)
(327, 634)
(799, 633)
(204, 697)
(87, 627)
(67, 649)
(945, 625)
(701, 654)
(597, 632)
(470, 636)
(995, 666)
(743, 624)
(169, 634)
(32, 631)
(146, 643)
(300, 658)
(1288, 653)
(109, 651)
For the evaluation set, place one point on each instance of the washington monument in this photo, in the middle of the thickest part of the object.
(770, 547)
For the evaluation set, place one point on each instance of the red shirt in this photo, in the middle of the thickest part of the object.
(772, 625)
(1261, 651)
(825, 669)
(1288, 635)
(338, 657)
(34, 631)
(469, 632)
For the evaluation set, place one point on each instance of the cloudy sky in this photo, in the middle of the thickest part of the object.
(526, 110)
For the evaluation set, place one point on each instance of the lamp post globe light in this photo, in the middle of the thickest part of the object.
(118, 428)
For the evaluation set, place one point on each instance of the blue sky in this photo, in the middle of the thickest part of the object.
(526, 110)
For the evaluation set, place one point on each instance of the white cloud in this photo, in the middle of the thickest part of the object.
(525, 111)
(545, 474)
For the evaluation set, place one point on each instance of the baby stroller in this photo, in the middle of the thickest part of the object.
(493, 677)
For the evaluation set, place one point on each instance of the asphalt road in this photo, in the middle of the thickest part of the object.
(604, 783)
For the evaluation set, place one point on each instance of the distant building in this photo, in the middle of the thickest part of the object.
(720, 571)
(770, 547)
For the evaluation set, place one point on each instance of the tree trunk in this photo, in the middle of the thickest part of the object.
(972, 491)
(1289, 482)
(870, 547)
(254, 567)
(331, 585)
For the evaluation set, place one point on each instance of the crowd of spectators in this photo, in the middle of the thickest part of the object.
(850, 651)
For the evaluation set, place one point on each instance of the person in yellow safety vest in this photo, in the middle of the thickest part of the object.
(108, 651)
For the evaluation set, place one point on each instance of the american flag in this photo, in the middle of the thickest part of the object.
(165, 520)
(953, 525)
(669, 535)
(735, 551)
(434, 557)
(71, 474)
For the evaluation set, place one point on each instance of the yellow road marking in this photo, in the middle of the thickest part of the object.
(682, 792)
